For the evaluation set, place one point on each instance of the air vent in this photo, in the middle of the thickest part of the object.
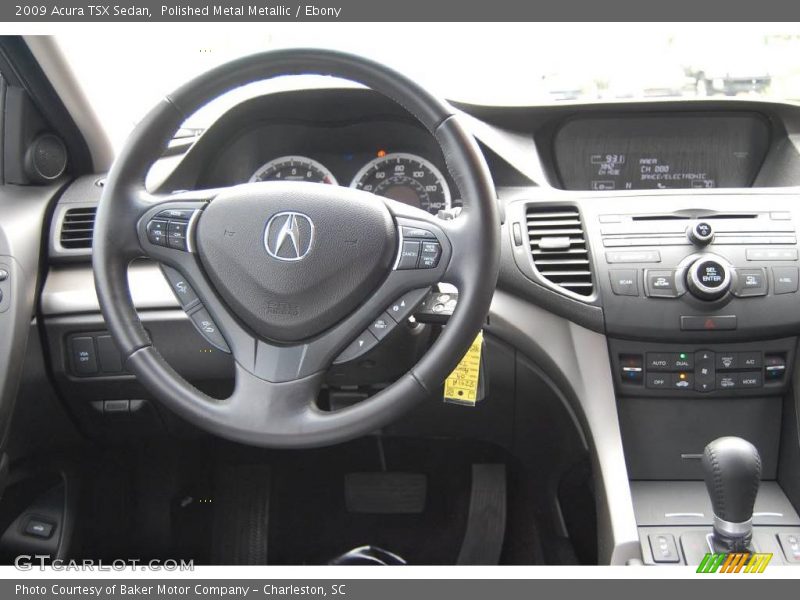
(77, 228)
(558, 247)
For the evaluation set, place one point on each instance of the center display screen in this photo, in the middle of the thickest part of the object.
(661, 152)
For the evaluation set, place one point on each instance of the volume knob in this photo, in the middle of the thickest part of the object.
(709, 278)
(700, 233)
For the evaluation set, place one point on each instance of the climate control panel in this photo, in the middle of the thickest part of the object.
(643, 369)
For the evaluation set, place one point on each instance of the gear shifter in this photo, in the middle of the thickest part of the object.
(733, 472)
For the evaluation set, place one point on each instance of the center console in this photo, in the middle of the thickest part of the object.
(701, 311)
(699, 295)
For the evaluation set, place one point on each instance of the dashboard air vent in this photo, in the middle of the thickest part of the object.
(77, 228)
(558, 247)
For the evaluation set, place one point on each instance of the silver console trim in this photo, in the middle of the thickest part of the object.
(69, 289)
(577, 360)
(731, 528)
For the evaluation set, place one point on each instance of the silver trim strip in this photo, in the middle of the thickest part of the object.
(678, 515)
(190, 247)
(731, 528)
(399, 247)
(69, 289)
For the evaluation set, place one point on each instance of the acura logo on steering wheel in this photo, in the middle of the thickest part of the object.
(289, 236)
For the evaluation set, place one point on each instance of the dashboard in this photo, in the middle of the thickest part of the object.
(670, 288)
(386, 155)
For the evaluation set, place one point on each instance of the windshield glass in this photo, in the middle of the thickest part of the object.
(124, 73)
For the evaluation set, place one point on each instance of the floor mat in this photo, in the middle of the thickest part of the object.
(163, 501)
(311, 523)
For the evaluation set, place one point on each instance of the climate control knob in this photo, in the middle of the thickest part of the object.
(709, 277)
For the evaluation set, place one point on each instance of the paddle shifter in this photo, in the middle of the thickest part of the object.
(732, 471)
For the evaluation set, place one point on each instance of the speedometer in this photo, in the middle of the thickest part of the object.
(406, 178)
(294, 168)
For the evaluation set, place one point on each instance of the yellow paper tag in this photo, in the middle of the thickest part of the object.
(461, 386)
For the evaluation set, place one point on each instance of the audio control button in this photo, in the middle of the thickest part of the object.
(700, 233)
(709, 278)
(786, 279)
(750, 282)
(661, 284)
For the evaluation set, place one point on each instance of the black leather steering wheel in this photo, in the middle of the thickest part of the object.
(284, 316)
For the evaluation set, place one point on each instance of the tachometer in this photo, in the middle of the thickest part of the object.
(406, 178)
(294, 168)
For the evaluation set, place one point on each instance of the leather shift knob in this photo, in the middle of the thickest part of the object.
(733, 472)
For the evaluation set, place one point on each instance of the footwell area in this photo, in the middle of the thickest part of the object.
(192, 502)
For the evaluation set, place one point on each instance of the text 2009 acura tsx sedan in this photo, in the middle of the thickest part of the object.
(360, 324)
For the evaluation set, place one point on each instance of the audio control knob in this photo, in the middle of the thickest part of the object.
(709, 278)
(700, 233)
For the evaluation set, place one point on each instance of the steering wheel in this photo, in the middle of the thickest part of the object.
(291, 272)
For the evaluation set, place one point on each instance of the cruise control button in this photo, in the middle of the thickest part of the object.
(177, 213)
(209, 330)
(381, 326)
(176, 235)
(157, 232)
(417, 232)
(624, 282)
(404, 306)
(363, 343)
(429, 256)
(409, 255)
(183, 291)
(661, 284)
(786, 279)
